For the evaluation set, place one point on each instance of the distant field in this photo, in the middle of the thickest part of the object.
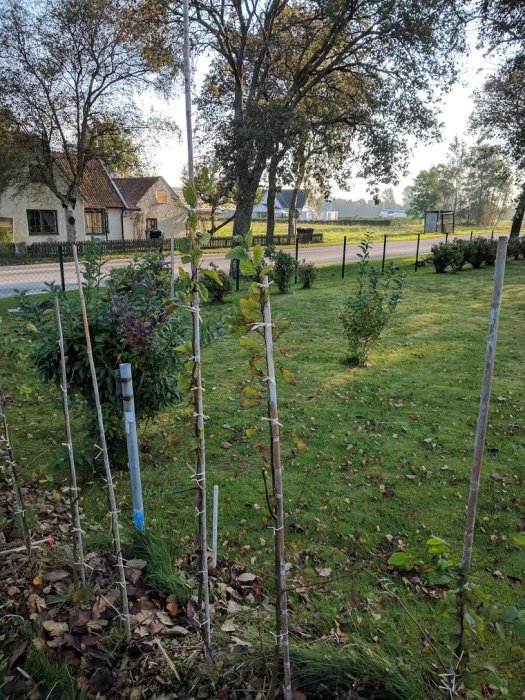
(333, 233)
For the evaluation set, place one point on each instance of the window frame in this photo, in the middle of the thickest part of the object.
(152, 228)
(41, 212)
(104, 224)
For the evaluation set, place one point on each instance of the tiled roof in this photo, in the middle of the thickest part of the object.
(134, 188)
(97, 189)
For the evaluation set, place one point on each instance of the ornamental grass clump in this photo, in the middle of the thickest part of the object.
(366, 313)
(307, 272)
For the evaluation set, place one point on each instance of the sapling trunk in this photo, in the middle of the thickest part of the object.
(281, 608)
(76, 531)
(105, 456)
(479, 441)
(200, 473)
(196, 383)
(6, 451)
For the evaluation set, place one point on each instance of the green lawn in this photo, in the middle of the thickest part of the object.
(386, 465)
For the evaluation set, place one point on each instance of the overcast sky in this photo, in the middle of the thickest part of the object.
(456, 107)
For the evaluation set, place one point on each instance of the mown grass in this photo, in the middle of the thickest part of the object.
(333, 233)
(412, 413)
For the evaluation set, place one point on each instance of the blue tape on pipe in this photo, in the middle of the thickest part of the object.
(138, 519)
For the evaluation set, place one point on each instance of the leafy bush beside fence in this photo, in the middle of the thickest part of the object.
(455, 254)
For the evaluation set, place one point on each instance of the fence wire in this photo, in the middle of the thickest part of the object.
(34, 268)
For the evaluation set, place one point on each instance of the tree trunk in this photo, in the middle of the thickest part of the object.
(246, 192)
(517, 219)
(292, 213)
(292, 216)
(71, 228)
(270, 200)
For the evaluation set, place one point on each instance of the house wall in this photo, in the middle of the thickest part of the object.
(171, 217)
(14, 205)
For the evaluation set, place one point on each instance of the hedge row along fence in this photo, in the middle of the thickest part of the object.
(35, 251)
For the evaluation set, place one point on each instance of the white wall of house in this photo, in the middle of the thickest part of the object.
(14, 205)
(170, 215)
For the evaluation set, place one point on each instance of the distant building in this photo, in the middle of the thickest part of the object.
(330, 215)
(393, 213)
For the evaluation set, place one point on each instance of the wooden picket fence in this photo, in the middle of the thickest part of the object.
(9, 252)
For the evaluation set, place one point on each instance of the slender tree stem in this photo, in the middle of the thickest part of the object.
(105, 456)
(76, 531)
(6, 451)
(281, 608)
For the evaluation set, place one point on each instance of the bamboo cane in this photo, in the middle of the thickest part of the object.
(479, 441)
(105, 456)
(76, 530)
(6, 451)
(281, 609)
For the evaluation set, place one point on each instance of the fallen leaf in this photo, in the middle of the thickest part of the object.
(247, 577)
(324, 572)
(55, 629)
(228, 626)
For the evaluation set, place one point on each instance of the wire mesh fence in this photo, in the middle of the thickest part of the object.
(34, 268)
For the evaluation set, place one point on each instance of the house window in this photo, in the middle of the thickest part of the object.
(161, 197)
(42, 222)
(151, 225)
(96, 222)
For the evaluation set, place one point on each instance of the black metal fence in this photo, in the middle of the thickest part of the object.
(34, 274)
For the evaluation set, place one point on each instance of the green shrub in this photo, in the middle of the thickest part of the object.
(307, 272)
(475, 252)
(131, 320)
(490, 248)
(441, 256)
(366, 313)
(458, 253)
(515, 248)
(217, 291)
(283, 269)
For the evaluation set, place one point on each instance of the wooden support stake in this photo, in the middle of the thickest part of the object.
(79, 566)
(479, 446)
(281, 608)
(105, 456)
(6, 451)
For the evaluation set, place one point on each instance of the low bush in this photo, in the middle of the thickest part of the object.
(490, 248)
(131, 319)
(366, 313)
(516, 248)
(475, 252)
(441, 256)
(458, 254)
(307, 272)
(217, 291)
(283, 269)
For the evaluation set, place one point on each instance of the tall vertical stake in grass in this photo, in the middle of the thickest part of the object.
(6, 451)
(78, 549)
(281, 609)
(105, 456)
(479, 441)
(198, 403)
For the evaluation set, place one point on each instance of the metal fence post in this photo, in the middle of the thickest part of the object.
(296, 255)
(384, 254)
(344, 258)
(446, 237)
(132, 444)
(61, 265)
(471, 234)
(492, 236)
(417, 252)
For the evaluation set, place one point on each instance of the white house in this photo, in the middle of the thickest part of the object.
(34, 214)
(152, 206)
(118, 209)
(393, 213)
(282, 206)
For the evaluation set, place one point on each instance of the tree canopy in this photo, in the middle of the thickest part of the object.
(277, 63)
